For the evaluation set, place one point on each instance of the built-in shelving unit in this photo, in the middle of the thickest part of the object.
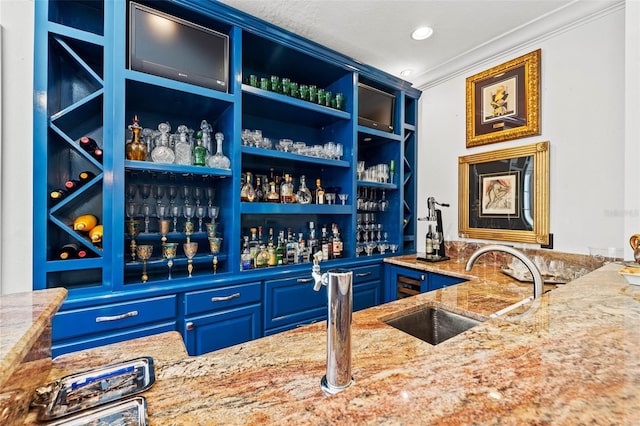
(87, 90)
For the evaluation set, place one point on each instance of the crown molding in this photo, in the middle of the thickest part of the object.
(529, 35)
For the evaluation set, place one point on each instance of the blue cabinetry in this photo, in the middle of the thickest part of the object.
(86, 89)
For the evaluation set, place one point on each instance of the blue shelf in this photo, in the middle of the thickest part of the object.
(272, 153)
(175, 168)
(311, 209)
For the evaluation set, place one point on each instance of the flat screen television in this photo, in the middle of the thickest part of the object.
(167, 46)
(375, 108)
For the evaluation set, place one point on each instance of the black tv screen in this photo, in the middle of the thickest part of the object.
(375, 108)
(171, 47)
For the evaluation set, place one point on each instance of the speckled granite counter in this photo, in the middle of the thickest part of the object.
(25, 347)
(573, 358)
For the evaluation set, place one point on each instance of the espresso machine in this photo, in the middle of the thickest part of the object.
(434, 218)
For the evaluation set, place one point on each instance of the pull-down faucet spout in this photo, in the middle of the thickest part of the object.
(538, 282)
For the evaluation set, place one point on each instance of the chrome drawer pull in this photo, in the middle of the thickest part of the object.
(305, 280)
(117, 317)
(363, 274)
(223, 298)
(190, 326)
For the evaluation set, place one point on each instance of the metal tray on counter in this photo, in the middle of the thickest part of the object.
(95, 387)
(128, 412)
(525, 276)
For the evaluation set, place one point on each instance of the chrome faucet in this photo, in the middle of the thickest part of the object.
(339, 310)
(538, 282)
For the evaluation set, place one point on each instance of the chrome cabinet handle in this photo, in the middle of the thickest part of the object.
(223, 298)
(363, 274)
(305, 280)
(421, 277)
(117, 317)
(190, 326)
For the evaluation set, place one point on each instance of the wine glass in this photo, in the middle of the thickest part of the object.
(190, 250)
(188, 211)
(360, 169)
(132, 189)
(214, 247)
(169, 252)
(393, 247)
(213, 212)
(132, 210)
(133, 229)
(158, 193)
(145, 192)
(211, 192)
(186, 194)
(343, 198)
(172, 193)
(197, 194)
(175, 214)
(146, 211)
(163, 227)
(144, 252)
(201, 211)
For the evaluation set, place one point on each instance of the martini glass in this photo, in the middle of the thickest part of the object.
(169, 252)
(144, 253)
(133, 229)
(190, 250)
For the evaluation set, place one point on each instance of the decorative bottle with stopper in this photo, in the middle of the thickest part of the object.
(219, 160)
(135, 149)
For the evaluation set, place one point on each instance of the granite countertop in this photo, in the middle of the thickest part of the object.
(24, 317)
(572, 358)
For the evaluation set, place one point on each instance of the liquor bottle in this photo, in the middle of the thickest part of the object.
(262, 258)
(245, 257)
(325, 244)
(301, 255)
(286, 190)
(86, 176)
(336, 243)
(281, 258)
(271, 249)
(247, 192)
(88, 144)
(254, 245)
(429, 242)
(259, 190)
(303, 196)
(71, 251)
(272, 196)
(319, 192)
(312, 242)
(199, 153)
(291, 248)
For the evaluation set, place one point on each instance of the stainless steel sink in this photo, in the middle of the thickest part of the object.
(432, 324)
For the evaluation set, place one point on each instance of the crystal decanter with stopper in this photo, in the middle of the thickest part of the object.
(135, 149)
(162, 153)
(182, 146)
(219, 160)
(205, 131)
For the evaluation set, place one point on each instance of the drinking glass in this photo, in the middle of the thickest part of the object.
(190, 250)
(169, 252)
(213, 212)
(360, 170)
(133, 229)
(132, 189)
(175, 214)
(146, 211)
(343, 198)
(437, 239)
(201, 211)
(144, 252)
(132, 210)
(393, 247)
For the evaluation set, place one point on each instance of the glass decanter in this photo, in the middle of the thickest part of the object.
(182, 146)
(303, 196)
(205, 131)
(162, 153)
(135, 149)
(219, 160)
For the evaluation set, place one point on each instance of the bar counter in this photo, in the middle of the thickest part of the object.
(572, 358)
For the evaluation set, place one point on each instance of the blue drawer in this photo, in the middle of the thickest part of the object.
(196, 302)
(105, 318)
(363, 274)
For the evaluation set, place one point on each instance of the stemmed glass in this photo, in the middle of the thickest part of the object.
(158, 193)
(197, 194)
(146, 211)
(370, 247)
(132, 210)
(133, 229)
(186, 194)
(343, 198)
(145, 192)
(175, 214)
(144, 253)
(213, 212)
(163, 227)
(188, 211)
(172, 193)
(201, 211)
(190, 250)
(211, 192)
(132, 189)
(169, 252)
(214, 247)
(360, 169)
(393, 247)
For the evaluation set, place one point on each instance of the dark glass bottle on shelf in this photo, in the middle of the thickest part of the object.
(281, 258)
(97, 154)
(429, 242)
(259, 190)
(71, 185)
(88, 144)
(86, 176)
(71, 251)
(57, 195)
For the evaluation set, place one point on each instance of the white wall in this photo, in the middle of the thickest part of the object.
(16, 236)
(582, 115)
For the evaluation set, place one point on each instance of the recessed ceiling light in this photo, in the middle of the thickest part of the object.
(407, 72)
(422, 33)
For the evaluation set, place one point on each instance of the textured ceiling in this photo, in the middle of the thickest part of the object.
(377, 32)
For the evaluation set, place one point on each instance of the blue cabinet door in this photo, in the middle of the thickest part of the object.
(437, 281)
(292, 301)
(222, 329)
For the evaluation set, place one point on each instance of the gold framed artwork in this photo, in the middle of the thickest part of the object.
(503, 102)
(504, 194)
